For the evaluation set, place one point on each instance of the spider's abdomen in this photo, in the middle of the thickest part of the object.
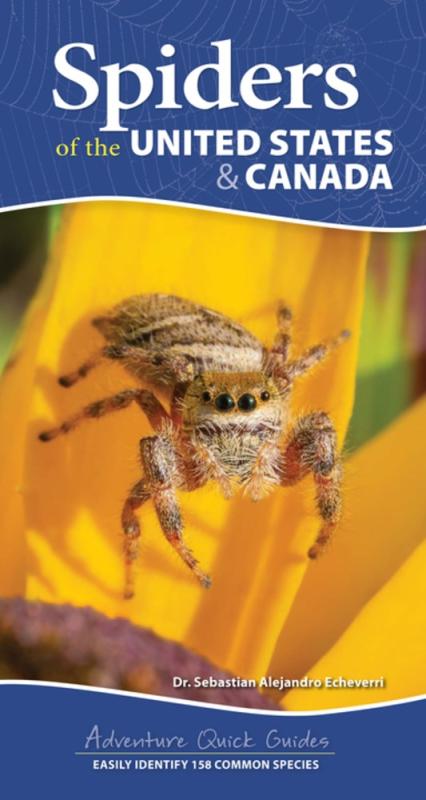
(160, 336)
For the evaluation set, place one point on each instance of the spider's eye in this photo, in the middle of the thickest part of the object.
(224, 402)
(247, 402)
(206, 397)
(265, 396)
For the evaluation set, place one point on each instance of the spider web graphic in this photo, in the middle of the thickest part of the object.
(385, 39)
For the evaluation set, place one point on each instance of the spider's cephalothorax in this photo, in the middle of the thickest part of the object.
(229, 416)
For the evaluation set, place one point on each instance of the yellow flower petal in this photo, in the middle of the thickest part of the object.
(383, 523)
(386, 640)
(15, 398)
(73, 488)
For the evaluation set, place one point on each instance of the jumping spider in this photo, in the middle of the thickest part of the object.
(229, 417)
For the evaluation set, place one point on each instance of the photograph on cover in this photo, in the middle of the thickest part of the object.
(212, 436)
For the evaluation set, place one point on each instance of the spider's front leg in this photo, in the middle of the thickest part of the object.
(312, 447)
(162, 476)
(145, 399)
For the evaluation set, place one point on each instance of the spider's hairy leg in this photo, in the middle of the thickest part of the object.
(311, 357)
(138, 495)
(275, 359)
(83, 370)
(282, 342)
(146, 401)
(161, 472)
(312, 447)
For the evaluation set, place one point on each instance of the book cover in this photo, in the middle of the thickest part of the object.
(212, 413)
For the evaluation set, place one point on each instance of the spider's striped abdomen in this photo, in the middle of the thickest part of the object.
(159, 336)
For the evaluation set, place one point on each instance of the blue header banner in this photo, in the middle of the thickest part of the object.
(58, 742)
(308, 110)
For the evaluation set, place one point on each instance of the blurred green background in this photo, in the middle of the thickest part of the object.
(392, 363)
